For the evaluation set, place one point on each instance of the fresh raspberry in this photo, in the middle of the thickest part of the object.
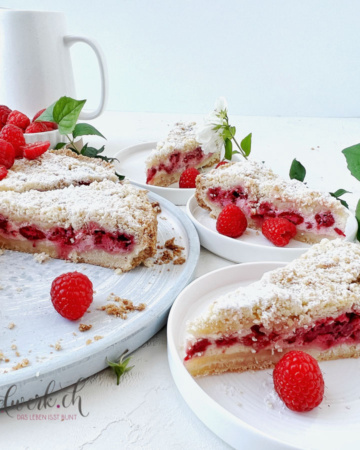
(15, 136)
(18, 118)
(3, 172)
(49, 125)
(278, 230)
(4, 113)
(71, 294)
(188, 177)
(221, 163)
(38, 114)
(36, 127)
(298, 381)
(7, 154)
(36, 149)
(231, 221)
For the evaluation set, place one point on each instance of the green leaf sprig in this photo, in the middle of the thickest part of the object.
(352, 155)
(65, 113)
(121, 367)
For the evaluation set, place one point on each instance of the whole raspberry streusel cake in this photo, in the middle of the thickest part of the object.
(179, 151)
(56, 169)
(107, 224)
(261, 194)
(312, 304)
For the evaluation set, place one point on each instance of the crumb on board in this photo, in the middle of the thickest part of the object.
(41, 257)
(25, 362)
(170, 252)
(11, 325)
(2, 252)
(74, 334)
(156, 207)
(118, 272)
(83, 327)
(14, 347)
(179, 261)
(17, 353)
(122, 308)
(97, 338)
(88, 342)
(19, 289)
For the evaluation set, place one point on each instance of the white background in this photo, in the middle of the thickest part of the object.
(279, 57)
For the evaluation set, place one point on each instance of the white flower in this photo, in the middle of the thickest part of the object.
(209, 134)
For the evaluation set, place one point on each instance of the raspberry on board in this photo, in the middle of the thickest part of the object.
(72, 294)
(3, 172)
(188, 177)
(278, 230)
(298, 381)
(4, 113)
(7, 154)
(14, 135)
(231, 221)
(19, 119)
(35, 149)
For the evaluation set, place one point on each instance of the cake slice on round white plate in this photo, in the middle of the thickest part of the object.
(179, 151)
(261, 194)
(108, 224)
(311, 304)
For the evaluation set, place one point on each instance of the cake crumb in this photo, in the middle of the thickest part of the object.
(179, 261)
(17, 353)
(13, 347)
(11, 325)
(122, 308)
(83, 327)
(148, 263)
(118, 272)
(58, 346)
(41, 257)
(2, 252)
(19, 289)
(88, 342)
(156, 207)
(97, 338)
(74, 334)
(25, 362)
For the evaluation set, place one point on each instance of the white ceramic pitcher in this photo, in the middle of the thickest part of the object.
(35, 61)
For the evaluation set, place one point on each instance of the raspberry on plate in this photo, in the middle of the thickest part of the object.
(71, 294)
(188, 177)
(36, 149)
(36, 127)
(279, 231)
(3, 172)
(18, 118)
(298, 381)
(14, 135)
(4, 113)
(231, 221)
(7, 154)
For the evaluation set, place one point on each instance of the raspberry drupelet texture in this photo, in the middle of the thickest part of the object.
(279, 231)
(231, 221)
(188, 177)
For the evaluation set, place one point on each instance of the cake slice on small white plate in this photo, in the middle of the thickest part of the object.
(311, 304)
(261, 194)
(177, 152)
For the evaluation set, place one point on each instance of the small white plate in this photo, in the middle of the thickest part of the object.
(243, 408)
(132, 165)
(252, 246)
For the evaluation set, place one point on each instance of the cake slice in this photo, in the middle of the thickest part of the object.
(56, 169)
(311, 304)
(262, 194)
(179, 151)
(107, 224)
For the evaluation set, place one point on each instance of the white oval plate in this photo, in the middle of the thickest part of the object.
(25, 301)
(252, 246)
(132, 165)
(243, 408)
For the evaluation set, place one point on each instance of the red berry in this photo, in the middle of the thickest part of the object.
(4, 113)
(7, 154)
(231, 221)
(49, 125)
(221, 163)
(36, 127)
(38, 114)
(278, 230)
(72, 294)
(188, 177)
(15, 136)
(18, 118)
(36, 149)
(3, 172)
(298, 381)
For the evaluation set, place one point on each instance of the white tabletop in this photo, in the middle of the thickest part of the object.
(146, 411)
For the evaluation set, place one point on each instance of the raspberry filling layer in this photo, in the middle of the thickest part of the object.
(259, 212)
(177, 162)
(325, 334)
(66, 240)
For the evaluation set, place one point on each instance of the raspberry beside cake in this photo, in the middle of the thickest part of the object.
(261, 194)
(312, 304)
(107, 224)
(179, 151)
(56, 169)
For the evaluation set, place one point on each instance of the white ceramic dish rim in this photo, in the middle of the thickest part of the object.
(187, 275)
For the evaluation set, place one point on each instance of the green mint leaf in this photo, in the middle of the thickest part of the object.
(344, 203)
(47, 115)
(91, 152)
(59, 145)
(352, 155)
(339, 193)
(357, 215)
(121, 177)
(121, 367)
(226, 134)
(233, 131)
(66, 113)
(297, 171)
(245, 144)
(228, 149)
(84, 129)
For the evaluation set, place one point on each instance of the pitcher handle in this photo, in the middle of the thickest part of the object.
(69, 41)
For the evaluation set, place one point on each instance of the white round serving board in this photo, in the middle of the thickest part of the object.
(243, 408)
(132, 165)
(25, 301)
(252, 246)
